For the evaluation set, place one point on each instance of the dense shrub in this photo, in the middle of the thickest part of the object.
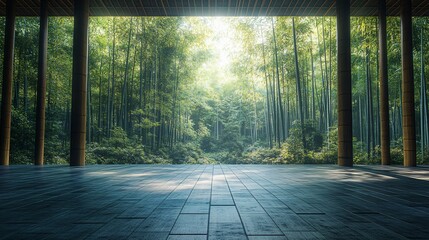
(423, 158)
(56, 145)
(396, 156)
(117, 149)
(208, 144)
(226, 157)
(262, 155)
(101, 154)
(308, 133)
(21, 144)
(185, 153)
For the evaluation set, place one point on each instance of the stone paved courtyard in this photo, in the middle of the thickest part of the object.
(214, 202)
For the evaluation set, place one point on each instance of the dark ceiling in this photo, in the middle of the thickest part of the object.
(213, 7)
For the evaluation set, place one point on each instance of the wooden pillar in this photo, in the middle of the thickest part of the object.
(79, 80)
(41, 84)
(345, 144)
(408, 112)
(6, 98)
(383, 79)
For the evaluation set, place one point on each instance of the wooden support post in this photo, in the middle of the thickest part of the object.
(6, 98)
(79, 86)
(384, 89)
(408, 111)
(345, 144)
(41, 84)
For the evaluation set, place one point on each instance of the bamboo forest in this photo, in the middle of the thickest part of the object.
(214, 90)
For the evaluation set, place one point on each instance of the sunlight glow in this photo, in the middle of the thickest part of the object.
(223, 45)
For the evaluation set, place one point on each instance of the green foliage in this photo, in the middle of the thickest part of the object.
(188, 153)
(226, 157)
(397, 156)
(308, 133)
(362, 157)
(118, 139)
(423, 159)
(56, 145)
(118, 149)
(21, 144)
(290, 152)
(208, 144)
(263, 155)
(102, 154)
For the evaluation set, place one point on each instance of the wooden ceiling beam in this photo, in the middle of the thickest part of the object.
(213, 7)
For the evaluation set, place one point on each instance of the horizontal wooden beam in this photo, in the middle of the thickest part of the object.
(215, 8)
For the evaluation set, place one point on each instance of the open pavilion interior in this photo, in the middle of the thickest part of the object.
(214, 201)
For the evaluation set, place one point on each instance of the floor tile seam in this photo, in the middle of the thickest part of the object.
(157, 206)
(257, 199)
(393, 169)
(392, 191)
(235, 205)
(374, 223)
(142, 188)
(393, 199)
(210, 201)
(267, 180)
(52, 197)
(181, 209)
(259, 185)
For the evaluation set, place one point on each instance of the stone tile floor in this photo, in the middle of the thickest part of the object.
(214, 202)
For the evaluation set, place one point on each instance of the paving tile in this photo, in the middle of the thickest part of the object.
(224, 214)
(226, 229)
(161, 220)
(191, 224)
(301, 207)
(272, 202)
(137, 212)
(278, 210)
(173, 203)
(222, 230)
(148, 236)
(259, 224)
(77, 231)
(187, 237)
(222, 200)
(199, 199)
(291, 222)
(304, 235)
(323, 221)
(267, 238)
(196, 208)
(225, 222)
(227, 237)
(374, 231)
(400, 227)
(116, 229)
(248, 205)
(28, 236)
